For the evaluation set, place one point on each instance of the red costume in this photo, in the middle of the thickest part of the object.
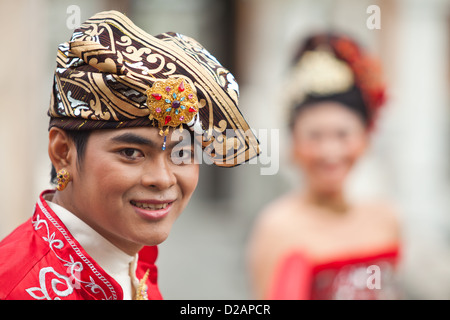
(364, 277)
(42, 260)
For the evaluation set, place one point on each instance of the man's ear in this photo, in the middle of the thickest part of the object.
(61, 149)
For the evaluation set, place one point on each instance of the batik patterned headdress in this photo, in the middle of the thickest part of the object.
(112, 74)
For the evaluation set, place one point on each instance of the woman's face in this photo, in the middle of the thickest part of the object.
(128, 189)
(328, 138)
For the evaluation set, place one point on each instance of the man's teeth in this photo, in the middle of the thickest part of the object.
(149, 206)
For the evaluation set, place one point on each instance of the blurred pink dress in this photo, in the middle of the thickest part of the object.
(368, 276)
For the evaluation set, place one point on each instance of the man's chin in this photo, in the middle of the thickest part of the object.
(155, 238)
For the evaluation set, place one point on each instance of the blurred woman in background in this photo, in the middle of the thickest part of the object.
(315, 243)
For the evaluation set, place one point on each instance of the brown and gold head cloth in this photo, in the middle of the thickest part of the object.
(112, 74)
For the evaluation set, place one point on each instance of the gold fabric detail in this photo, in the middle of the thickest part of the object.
(141, 291)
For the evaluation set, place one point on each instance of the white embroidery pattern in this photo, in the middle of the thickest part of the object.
(74, 267)
(33, 291)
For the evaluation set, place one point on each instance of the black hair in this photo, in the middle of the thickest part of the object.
(352, 99)
(79, 138)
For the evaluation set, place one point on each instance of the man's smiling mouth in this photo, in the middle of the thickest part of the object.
(150, 206)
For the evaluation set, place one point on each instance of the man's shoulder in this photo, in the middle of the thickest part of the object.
(20, 252)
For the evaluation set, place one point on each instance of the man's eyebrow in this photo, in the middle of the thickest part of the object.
(132, 138)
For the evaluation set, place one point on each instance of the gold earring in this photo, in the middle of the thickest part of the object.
(63, 178)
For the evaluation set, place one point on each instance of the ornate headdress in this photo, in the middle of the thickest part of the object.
(329, 65)
(112, 74)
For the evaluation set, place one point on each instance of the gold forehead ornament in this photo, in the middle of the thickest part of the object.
(172, 103)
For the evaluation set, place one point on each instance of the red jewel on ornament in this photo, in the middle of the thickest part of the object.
(181, 86)
(192, 109)
(167, 120)
(157, 96)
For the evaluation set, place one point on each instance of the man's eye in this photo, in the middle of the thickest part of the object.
(131, 153)
(181, 155)
(184, 153)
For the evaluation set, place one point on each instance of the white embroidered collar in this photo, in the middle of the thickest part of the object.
(114, 261)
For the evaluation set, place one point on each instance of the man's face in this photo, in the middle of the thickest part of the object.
(128, 189)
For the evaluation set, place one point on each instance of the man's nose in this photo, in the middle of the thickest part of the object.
(158, 174)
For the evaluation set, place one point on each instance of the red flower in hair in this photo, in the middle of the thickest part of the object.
(346, 49)
(367, 72)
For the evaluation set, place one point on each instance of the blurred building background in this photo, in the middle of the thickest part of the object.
(204, 257)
